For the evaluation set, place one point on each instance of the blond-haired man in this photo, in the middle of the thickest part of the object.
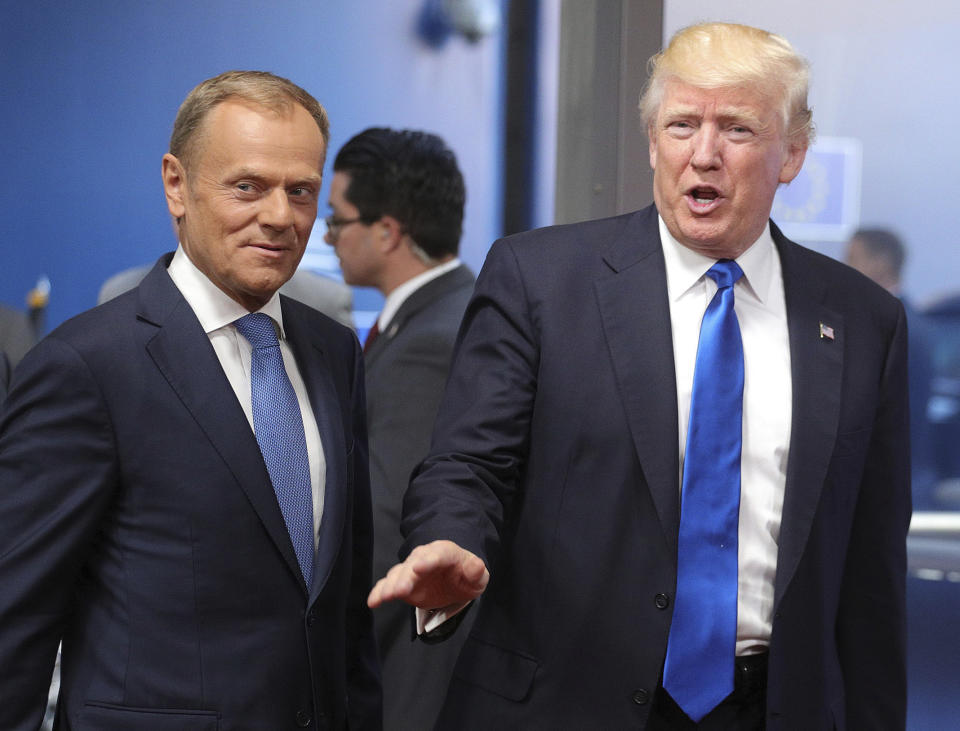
(672, 453)
(183, 482)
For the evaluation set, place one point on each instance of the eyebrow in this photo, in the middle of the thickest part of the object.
(724, 113)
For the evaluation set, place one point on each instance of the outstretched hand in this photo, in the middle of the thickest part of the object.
(435, 575)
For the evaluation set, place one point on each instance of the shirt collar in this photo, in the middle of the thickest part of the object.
(686, 267)
(209, 303)
(400, 295)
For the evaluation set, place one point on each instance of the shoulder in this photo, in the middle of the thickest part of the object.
(842, 285)
(100, 329)
(581, 239)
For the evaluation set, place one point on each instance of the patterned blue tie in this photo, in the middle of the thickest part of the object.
(699, 668)
(278, 426)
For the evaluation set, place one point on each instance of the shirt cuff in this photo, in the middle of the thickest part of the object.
(429, 619)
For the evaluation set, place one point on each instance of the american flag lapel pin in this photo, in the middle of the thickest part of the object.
(826, 332)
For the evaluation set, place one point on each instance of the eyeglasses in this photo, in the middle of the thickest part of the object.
(335, 225)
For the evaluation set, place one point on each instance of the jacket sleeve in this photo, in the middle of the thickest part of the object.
(465, 489)
(57, 475)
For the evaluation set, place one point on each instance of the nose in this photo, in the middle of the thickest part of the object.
(276, 212)
(706, 148)
(330, 241)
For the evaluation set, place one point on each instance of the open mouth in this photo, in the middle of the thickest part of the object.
(703, 195)
(703, 199)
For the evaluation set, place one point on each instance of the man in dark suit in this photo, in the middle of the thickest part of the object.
(567, 475)
(183, 485)
(397, 198)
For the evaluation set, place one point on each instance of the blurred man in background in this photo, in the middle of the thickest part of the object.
(397, 200)
(880, 254)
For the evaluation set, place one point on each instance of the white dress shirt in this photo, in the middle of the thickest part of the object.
(217, 312)
(767, 406)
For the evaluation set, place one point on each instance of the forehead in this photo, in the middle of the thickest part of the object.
(750, 101)
(241, 132)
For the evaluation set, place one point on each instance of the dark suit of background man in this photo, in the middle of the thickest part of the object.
(880, 254)
(138, 520)
(397, 198)
(16, 338)
(560, 447)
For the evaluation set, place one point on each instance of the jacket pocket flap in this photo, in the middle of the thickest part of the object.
(505, 672)
(111, 717)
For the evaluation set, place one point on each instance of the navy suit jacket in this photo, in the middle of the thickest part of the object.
(138, 523)
(555, 459)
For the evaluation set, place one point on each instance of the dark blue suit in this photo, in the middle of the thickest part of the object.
(138, 522)
(555, 459)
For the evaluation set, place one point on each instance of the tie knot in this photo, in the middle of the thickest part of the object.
(725, 273)
(258, 329)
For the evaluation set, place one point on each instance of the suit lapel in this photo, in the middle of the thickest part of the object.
(816, 369)
(183, 354)
(317, 376)
(635, 312)
(425, 295)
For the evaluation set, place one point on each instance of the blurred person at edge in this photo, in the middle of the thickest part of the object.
(880, 254)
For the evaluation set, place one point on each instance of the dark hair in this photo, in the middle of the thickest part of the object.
(411, 176)
(883, 243)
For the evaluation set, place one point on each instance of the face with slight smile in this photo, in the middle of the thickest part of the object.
(718, 156)
(354, 245)
(248, 201)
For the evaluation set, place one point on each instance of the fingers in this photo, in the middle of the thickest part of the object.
(434, 575)
(397, 584)
(475, 573)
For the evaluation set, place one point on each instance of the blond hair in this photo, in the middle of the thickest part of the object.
(259, 87)
(719, 55)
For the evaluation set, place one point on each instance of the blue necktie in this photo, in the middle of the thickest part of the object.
(699, 668)
(278, 426)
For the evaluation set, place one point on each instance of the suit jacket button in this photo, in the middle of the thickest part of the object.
(662, 601)
(311, 619)
(641, 697)
(303, 719)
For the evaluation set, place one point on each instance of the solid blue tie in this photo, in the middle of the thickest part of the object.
(278, 426)
(699, 667)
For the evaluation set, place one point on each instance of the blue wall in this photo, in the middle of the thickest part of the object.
(89, 92)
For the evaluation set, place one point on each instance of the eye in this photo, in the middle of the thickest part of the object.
(740, 131)
(247, 188)
(681, 128)
(303, 194)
